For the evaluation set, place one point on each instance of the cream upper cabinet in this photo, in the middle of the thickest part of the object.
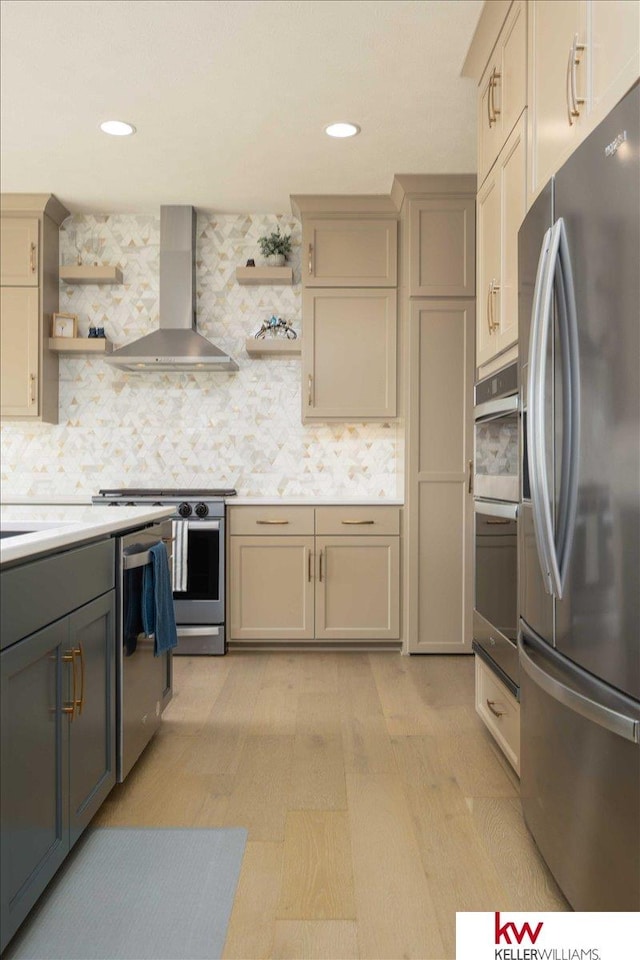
(442, 243)
(502, 94)
(357, 596)
(501, 210)
(19, 350)
(557, 85)
(19, 252)
(614, 53)
(349, 253)
(349, 354)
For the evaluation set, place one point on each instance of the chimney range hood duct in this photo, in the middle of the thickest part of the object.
(176, 345)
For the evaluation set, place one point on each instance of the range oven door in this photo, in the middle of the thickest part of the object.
(199, 550)
(495, 617)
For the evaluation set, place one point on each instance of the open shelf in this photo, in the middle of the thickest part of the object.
(264, 275)
(80, 345)
(71, 273)
(273, 347)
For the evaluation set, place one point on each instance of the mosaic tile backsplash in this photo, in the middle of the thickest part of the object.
(180, 429)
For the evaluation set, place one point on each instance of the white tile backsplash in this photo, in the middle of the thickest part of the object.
(179, 429)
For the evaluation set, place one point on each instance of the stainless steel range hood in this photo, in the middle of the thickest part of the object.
(176, 345)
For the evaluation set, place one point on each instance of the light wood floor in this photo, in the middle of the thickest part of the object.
(376, 802)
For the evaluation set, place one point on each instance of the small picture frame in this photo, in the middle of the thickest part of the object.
(64, 325)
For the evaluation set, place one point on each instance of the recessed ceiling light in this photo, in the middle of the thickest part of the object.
(342, 129)
(117, 128)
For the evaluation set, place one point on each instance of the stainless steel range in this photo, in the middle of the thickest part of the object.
(198, 530)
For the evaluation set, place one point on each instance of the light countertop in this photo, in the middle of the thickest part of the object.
(61, 526)
(310, 502)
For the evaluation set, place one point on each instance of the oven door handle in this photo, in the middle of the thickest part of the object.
(507, 511)
(205, 631)
(203, 524)
(494, 409)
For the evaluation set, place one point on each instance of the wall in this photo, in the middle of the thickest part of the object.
(180, 429)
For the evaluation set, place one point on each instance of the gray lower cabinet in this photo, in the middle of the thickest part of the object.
(57, 743)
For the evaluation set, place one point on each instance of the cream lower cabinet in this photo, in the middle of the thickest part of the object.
(272, 588)
(357, 595)
(337, 587)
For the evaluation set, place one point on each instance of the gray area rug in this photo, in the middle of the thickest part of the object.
(144, 894)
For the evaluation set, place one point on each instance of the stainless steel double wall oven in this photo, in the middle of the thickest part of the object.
(496, 478)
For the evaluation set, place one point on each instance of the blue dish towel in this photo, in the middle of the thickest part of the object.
(158, 615)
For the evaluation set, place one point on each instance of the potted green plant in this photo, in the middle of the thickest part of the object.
(275, 247)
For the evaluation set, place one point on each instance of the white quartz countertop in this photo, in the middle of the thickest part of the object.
(62, 526)
(310, 502)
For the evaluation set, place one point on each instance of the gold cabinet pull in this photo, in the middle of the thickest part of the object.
(497, 523)
(310, 259)
(272, 523)
(496, 713)
(470, 476)
(310, 393)
(80, 654)
(32, 389)
(309, 567)
(495, 113)
(69, 709)
(573, 100)
(320, 572)
(489, 304)
(358, 523)
(32, 257)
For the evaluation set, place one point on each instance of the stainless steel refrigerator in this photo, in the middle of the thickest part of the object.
(579, 529)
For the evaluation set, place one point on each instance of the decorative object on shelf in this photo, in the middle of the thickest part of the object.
(275, 247)
(64, 325)
(250, 262)
(276, 326)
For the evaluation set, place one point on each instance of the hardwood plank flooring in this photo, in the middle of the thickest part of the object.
(376, 802)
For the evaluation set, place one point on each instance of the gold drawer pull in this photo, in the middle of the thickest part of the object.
(496, 713)
(70, 657)
(310, 259)
(80, 702)
(496, 523)
(358, 523)
(32, 257)
(274, 523)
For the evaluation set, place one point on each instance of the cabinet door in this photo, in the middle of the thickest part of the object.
(19, 252)
(19, 349)
(488, 267)
(556, 113)
(513, 196)
(350, 253)
(349, 355)
(34, 771)
(614, 53)
(440, 502)
(92, 733)
(443, 234)
(271, 588)
(358, 588)
(502, 94)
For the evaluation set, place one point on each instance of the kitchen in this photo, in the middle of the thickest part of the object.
(375, 479)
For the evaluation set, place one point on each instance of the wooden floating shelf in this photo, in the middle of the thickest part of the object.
(264, 275)
(70, 273)
(80, 345)
(273, 347)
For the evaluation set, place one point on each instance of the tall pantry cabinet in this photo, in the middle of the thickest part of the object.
(437, 327)
(29, 225)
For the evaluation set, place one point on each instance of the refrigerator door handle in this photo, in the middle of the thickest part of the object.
(568, 330)
(611, 720)
(536, 433)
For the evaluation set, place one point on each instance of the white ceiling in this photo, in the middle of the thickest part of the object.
(230, 98)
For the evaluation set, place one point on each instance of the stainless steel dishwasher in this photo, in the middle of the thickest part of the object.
(143, 681)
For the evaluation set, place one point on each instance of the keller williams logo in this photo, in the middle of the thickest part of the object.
(519, 935)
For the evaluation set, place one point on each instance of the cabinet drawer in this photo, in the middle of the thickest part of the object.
(357, 521)
(493, 698)
(269, 521)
